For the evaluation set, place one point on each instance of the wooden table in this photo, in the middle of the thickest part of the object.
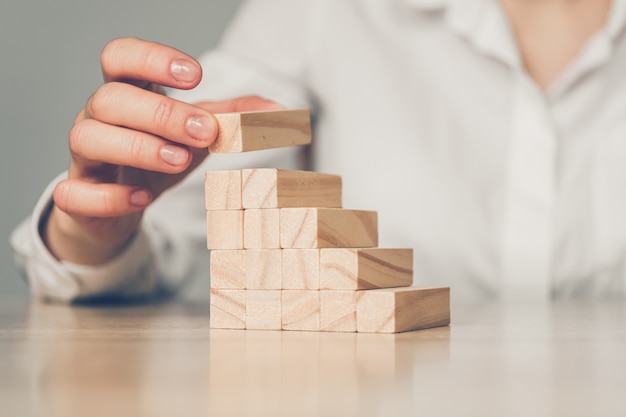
(562, 359)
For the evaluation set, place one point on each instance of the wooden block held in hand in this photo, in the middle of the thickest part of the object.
(228, 269)
(222, 190)
(278, 188)
(311, 228)
(338, 311)
(263, 269)
(225, 229)
(301, 310)
(301, 269)
(227, 309)
(361, 269)
(393, 310)
(257, 130)
(263, 310)
(261, 228)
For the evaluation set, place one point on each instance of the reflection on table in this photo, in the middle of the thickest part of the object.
(163, 360)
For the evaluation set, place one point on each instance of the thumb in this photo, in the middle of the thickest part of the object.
(240, 104)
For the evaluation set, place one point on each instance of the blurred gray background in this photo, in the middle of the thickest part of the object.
(49, 66)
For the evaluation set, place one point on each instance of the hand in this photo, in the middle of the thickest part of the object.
(128, 145)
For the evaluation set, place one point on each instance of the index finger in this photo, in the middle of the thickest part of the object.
(136, 59)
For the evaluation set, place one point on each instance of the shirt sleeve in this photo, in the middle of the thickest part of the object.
(128, 274)
(170, 246)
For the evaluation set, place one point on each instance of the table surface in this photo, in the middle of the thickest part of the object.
(561, 359)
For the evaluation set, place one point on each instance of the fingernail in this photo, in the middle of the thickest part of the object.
(184, 71)
(174, 155)
(201, 127)
(276, 106)
(140, 198)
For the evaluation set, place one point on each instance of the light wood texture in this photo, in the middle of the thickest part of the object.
(252, 131)
(263, 310)
(227, 309)
(394, 310)
(310, 228)
(278, 188)
(222, 190)
(301, 269)
(338, 311)
(261, 228)
(300, 310)
(563, 358)
(225, 229)
(228, 269)
(360, 269)
(263, 269)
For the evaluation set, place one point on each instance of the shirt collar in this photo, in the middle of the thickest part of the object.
(483, 24)
(428, 5)
(617, 19)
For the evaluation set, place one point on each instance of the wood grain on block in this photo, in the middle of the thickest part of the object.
(361, 269)
(263, 269)
(278, 188)
(261, 228)
(338, 311)
(263, 310)
(301, 310)
(310, 228)
(393, 310)
(222, 190)
(301, 269)
(225, 229)
(227, 309)
(228, 269)
(257, 130)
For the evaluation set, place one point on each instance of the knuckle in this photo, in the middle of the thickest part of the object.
(163, 113)
(104, 203)
(62, 195)
(135, 146)
(110, 51)
(100, 101)
(150, 56)
(76, 135)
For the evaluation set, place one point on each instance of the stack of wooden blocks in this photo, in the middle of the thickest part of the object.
(285, 255)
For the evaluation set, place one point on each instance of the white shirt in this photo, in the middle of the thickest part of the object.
(425, 110)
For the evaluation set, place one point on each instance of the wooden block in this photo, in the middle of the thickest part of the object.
(228, 269)
(263, 310)
(310, 228)
(361, 269)
(257, 130)
(227, 309)
(301, 269)
(222, 190)
(225, 229)
(278, 188)
(301, 310)
(394, 310)
(263, 269)
(261, 228)
(338, 311)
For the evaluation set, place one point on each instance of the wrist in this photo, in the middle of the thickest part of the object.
(70, 240)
